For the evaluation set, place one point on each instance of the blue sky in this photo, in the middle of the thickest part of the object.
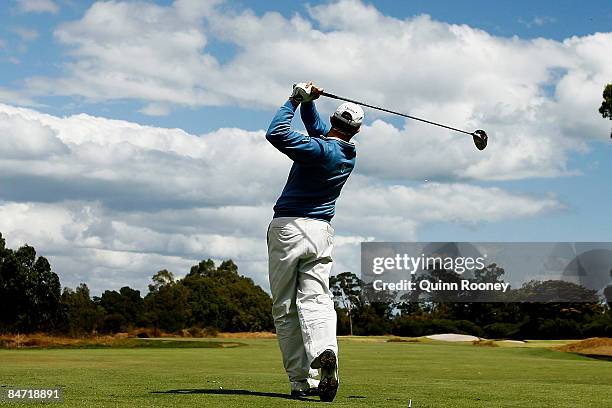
(550, 156)
(526, 19)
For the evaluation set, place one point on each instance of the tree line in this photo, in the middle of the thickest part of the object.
(533, 311)
(214, 298)
(209, 297)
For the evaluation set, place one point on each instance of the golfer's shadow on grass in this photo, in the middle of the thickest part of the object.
(218, 391)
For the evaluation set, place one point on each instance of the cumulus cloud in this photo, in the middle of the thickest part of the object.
(88, 243)
(534, 97)
(137, 50)
(26, 139)
(156, 109)
(111, 202)
(152, 49)
(37, 6)
(110, 160)
(386, 206)
(15, 97)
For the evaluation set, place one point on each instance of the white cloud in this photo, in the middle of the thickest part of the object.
(156, 109)
(537, 21)
(37, 6)
(534, 97)
(86, 242)
(26, 34)
(434, 202)
(111, 161)
(414, 152)
(111, 202)
(26, 140)
(166, 46)
(16, 97)
(127, 50)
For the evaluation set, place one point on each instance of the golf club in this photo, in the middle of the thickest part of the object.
(479, 136)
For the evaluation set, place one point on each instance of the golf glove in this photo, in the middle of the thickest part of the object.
(302, 92)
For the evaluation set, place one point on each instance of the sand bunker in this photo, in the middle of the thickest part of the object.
(453, 337)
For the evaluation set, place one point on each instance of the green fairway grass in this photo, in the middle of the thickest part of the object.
(373, 372)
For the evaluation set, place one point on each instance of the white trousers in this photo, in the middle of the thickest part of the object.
(299, 260)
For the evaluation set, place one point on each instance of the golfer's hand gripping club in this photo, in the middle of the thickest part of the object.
(305, 92)
(479, 136)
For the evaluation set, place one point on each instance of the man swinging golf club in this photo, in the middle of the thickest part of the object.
(300, 238)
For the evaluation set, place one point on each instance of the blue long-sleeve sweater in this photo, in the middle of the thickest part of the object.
(321, 165)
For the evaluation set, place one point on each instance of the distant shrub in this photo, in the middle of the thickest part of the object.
(113, 323)
(601, 327)
(438, 326)
(400, 340)
(407, 327)
(468, 327)
(210, 332)
(559, 328)
(195, 332)
(502, 330)
(484, 343)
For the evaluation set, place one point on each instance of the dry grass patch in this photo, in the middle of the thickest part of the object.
(247, 335)
(596, 346)
(402, 340)
(119, 340)
(42, 340)
(484, 343)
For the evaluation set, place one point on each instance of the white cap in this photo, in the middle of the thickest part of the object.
(349, 113)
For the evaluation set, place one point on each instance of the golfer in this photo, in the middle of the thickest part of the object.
(300, 238)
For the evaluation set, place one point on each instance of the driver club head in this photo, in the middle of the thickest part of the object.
(480, 139)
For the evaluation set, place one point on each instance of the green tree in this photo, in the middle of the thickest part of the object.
(160, 279)
(606, 106)
(166, 304)
(220, 297)
(83, 315)
(346, 287)
(123, 309)
(29, 291)
(204, 268)
(553, 291)
(608, 292)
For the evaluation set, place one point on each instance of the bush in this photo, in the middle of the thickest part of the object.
(113, 323)
(368, 323)
(468, 327)
(484, 343)
(343, 327)
(559, 328)
(601, 327)
(209, 332)
(502, 330)
(437, 326)
(407, 327)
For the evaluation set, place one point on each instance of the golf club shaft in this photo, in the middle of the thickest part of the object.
(393, 112)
